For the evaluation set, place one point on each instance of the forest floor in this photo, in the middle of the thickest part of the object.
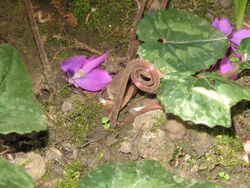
(76, 140)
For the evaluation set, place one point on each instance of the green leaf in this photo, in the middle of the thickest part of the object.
(224, 175)
(106, 125)
(245, 65)
(244, 49)
(227, 177)
(19, 110)
(146, 174)
(12, 176)
(176, 41)
(221, 174)
(204, 100)
(105, 120)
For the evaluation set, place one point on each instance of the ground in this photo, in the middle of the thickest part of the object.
(76, 140)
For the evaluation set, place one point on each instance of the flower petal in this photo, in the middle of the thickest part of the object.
(225, 65)
(71, 65)
(215, 22)
(94, 80)
(239, 35)
(94, 63)
(91, 58)
(236, 53)
(223, 25)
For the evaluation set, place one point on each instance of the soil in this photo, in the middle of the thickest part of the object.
(75, 132)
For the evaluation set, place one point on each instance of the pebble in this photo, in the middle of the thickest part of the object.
(33, 164)
(110, 140)
(53, 154)
(176, 129)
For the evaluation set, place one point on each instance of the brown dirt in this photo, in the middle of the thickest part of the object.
(188, 155)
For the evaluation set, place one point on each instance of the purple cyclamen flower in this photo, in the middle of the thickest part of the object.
(235, 38)
(85, 72)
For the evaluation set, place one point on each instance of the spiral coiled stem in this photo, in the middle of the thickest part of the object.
(143, 75)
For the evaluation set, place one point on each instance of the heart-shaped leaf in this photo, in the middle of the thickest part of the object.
(204, 100)
(19, 110)
(245, 65)
(146, 174)
(176, 41)
(12, 176)
(244, 49)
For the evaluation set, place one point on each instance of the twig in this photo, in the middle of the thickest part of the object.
(90, 142)
(137, 70)
(69, 17)
(47, 67)
(164, 4)
(86, 47)
(80, 45)
(130, 118)
(133, 43)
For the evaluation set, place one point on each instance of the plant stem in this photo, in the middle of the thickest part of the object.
(240, 7)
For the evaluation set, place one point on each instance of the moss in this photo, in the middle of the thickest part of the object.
(64, 54)
(81, 8)
(176, 155)
(248, 129)
(84, 120)
(204, 8)
(159, 122)
(72, 173)
(99, 156)
(231, 141)
(64, 90)
(225, 153)
(78, 124)
(18, 7)
(108, 23)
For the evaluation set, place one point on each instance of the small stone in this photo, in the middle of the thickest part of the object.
(195, 168)
(67, 107)
(67, 146)
(202, 167)
(243, 186)
(110, 140)
(70, 103)
(134, 156)
(187, 157)
(148, 120)
(53, 154)
(33, 164)
(126, 147)
(176, 129)
(58, 169)
(107, 155)
(49, 184)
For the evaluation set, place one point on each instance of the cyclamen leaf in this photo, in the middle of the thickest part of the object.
(244, 49)
(19, 110)
(205, 100)
(176, 41)
(146, 174)
(245, 65)
(12, 176)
